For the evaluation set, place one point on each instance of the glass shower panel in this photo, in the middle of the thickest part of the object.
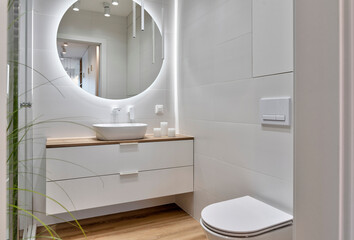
(20, 162)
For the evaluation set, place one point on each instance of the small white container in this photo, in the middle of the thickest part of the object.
(157, 132)
(164, 126)
(172, 132)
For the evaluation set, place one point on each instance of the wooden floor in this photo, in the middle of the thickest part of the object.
(167, 222)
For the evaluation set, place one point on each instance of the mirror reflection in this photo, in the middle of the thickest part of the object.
(106, 52)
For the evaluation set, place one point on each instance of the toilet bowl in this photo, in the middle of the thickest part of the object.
(245, 218)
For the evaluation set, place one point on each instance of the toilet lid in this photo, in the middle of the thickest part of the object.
(244, 216)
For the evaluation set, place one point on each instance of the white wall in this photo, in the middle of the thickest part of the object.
(3, 107)
(114, 31)
(234, 154)
(67, 102)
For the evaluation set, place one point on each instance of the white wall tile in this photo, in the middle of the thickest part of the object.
(197, 62)
(217, 45)
(203, 133)
(231, 19)
(217, 181)
(234, 154)
(272, 37)
(193, 10)
(51, 7)
(238, 101)
(267, 151)
(264, 150)
(198, 102)
(201, 199)
(44, 72)
(45, 31)
(233, 59)
(205, 172)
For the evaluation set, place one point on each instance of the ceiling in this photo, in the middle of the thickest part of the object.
(123, 9)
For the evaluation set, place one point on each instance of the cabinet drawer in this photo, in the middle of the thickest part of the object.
(95, 192)
(77, 162)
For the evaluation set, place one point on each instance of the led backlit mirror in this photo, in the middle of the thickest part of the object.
(105, 52)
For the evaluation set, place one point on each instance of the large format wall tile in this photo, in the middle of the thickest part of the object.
(234, 154)
(238, 101)
(272, 37)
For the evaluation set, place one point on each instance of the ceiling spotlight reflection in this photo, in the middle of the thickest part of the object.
(107, 10)
(76, 6)
(115, 2)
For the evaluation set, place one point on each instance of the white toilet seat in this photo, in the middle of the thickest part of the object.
(244, 235)
(243, 217)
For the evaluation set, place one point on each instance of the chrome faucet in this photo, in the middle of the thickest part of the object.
(115, 114)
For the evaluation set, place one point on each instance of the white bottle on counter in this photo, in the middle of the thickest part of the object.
(164, 127)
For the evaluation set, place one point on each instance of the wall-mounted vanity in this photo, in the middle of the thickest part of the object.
(85, 173)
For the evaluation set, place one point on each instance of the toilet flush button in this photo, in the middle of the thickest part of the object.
(269, 117)
(280, 117)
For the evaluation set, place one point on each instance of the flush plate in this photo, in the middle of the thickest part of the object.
(275, 111)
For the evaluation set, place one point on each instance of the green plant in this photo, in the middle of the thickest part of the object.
(14, 209)
(17, 135)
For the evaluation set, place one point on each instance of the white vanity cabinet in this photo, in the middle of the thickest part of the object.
(94, 174)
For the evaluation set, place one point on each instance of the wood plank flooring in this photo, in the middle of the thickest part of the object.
(167, 222)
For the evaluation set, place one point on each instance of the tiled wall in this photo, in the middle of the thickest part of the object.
(222, 78)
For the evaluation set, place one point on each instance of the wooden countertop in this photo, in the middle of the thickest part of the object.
(92, 141)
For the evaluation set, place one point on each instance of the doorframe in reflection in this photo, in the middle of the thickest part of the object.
(101, 87)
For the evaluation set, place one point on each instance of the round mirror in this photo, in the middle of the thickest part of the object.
(110, 48)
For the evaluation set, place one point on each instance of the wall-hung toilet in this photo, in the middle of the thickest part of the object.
(245, 217)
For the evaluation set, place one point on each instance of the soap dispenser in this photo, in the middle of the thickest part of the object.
(131, 113)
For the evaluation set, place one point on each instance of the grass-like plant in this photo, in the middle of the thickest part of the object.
(17, 135)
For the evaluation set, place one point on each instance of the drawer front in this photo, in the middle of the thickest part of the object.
(90, 161)
(95, 192)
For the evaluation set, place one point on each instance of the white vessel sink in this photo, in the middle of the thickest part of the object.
(120, 131)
